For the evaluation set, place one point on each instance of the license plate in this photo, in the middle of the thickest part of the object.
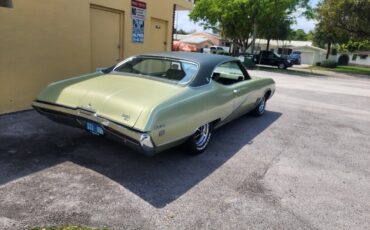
(94, 128)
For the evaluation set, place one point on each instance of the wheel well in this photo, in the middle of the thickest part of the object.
(267, 94)
(214, 123)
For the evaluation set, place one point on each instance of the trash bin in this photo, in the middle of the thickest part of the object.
(248, 61)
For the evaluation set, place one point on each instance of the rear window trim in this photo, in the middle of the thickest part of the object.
(157, 78)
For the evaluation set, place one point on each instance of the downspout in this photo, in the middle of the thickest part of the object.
(173, 25)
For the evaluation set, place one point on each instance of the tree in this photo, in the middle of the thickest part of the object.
(234, 18)
(310, 35)
(237, 18)
(279, 30)
(181, 31)
(342, 20)
(300, 35)
(274, 22)
(352, 45)
(346, 16)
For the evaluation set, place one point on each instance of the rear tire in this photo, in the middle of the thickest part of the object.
(198, 142)
(282, 66)
(260, 109)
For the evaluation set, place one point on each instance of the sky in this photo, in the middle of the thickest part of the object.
(183, 21)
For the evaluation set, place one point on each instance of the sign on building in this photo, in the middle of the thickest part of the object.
(138, 21)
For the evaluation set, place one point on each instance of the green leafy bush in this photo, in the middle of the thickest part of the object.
(329, 64)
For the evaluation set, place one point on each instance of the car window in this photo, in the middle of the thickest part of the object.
(228, 73)
(265, 54)
(173, 71)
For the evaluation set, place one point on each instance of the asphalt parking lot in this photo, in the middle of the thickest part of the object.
(304, 165)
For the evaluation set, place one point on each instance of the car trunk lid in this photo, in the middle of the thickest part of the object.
(116, 97)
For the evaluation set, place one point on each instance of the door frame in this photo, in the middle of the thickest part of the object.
(121, 27)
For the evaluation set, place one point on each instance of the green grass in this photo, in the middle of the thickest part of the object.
(67, 228)
(347, 69)
(353, 69)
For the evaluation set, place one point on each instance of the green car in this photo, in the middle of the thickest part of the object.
(153, 102)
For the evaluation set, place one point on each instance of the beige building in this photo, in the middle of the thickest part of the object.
(44, 41)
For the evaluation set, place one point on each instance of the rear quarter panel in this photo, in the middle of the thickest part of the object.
(181, 115)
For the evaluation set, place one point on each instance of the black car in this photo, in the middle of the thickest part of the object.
(295, 57)
(271, 58)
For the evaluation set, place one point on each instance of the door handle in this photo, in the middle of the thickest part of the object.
(236, 91)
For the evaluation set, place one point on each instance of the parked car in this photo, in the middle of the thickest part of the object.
(273, 59)
(153, 102)
(295, 57)
(216, 49)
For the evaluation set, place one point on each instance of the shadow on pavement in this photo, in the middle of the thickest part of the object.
(30, 143)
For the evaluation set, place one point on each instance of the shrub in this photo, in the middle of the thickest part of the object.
(343, 59)
(318, 63)
(329, 64)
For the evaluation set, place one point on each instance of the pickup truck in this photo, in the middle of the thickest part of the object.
(271, 58)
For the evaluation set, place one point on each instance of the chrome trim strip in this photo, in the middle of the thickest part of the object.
(90, 116)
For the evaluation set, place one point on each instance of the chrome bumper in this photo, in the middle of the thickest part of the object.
(137, 140)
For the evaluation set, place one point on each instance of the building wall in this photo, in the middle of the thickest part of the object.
(310, 56)
(44, 41)
(358, 61)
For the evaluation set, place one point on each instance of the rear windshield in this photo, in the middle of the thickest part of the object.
(168, 70)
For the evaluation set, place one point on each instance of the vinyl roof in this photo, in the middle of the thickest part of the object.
(200, 58)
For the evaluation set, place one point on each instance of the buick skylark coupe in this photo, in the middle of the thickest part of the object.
(153, 102)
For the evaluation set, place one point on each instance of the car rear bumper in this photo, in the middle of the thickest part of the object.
(136, 140)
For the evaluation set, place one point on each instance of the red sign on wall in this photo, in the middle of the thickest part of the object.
(138, 9)
(138, 4)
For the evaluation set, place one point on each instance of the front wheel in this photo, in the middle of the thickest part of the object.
(198, 142)
(282, 66)
(260, 109)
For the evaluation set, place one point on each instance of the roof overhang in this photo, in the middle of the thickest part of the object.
(183, 5)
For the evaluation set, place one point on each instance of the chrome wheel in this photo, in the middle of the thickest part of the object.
(281, 66)
(261, 107)
(202, 136)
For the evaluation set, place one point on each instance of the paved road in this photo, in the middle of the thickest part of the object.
(304, 165)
